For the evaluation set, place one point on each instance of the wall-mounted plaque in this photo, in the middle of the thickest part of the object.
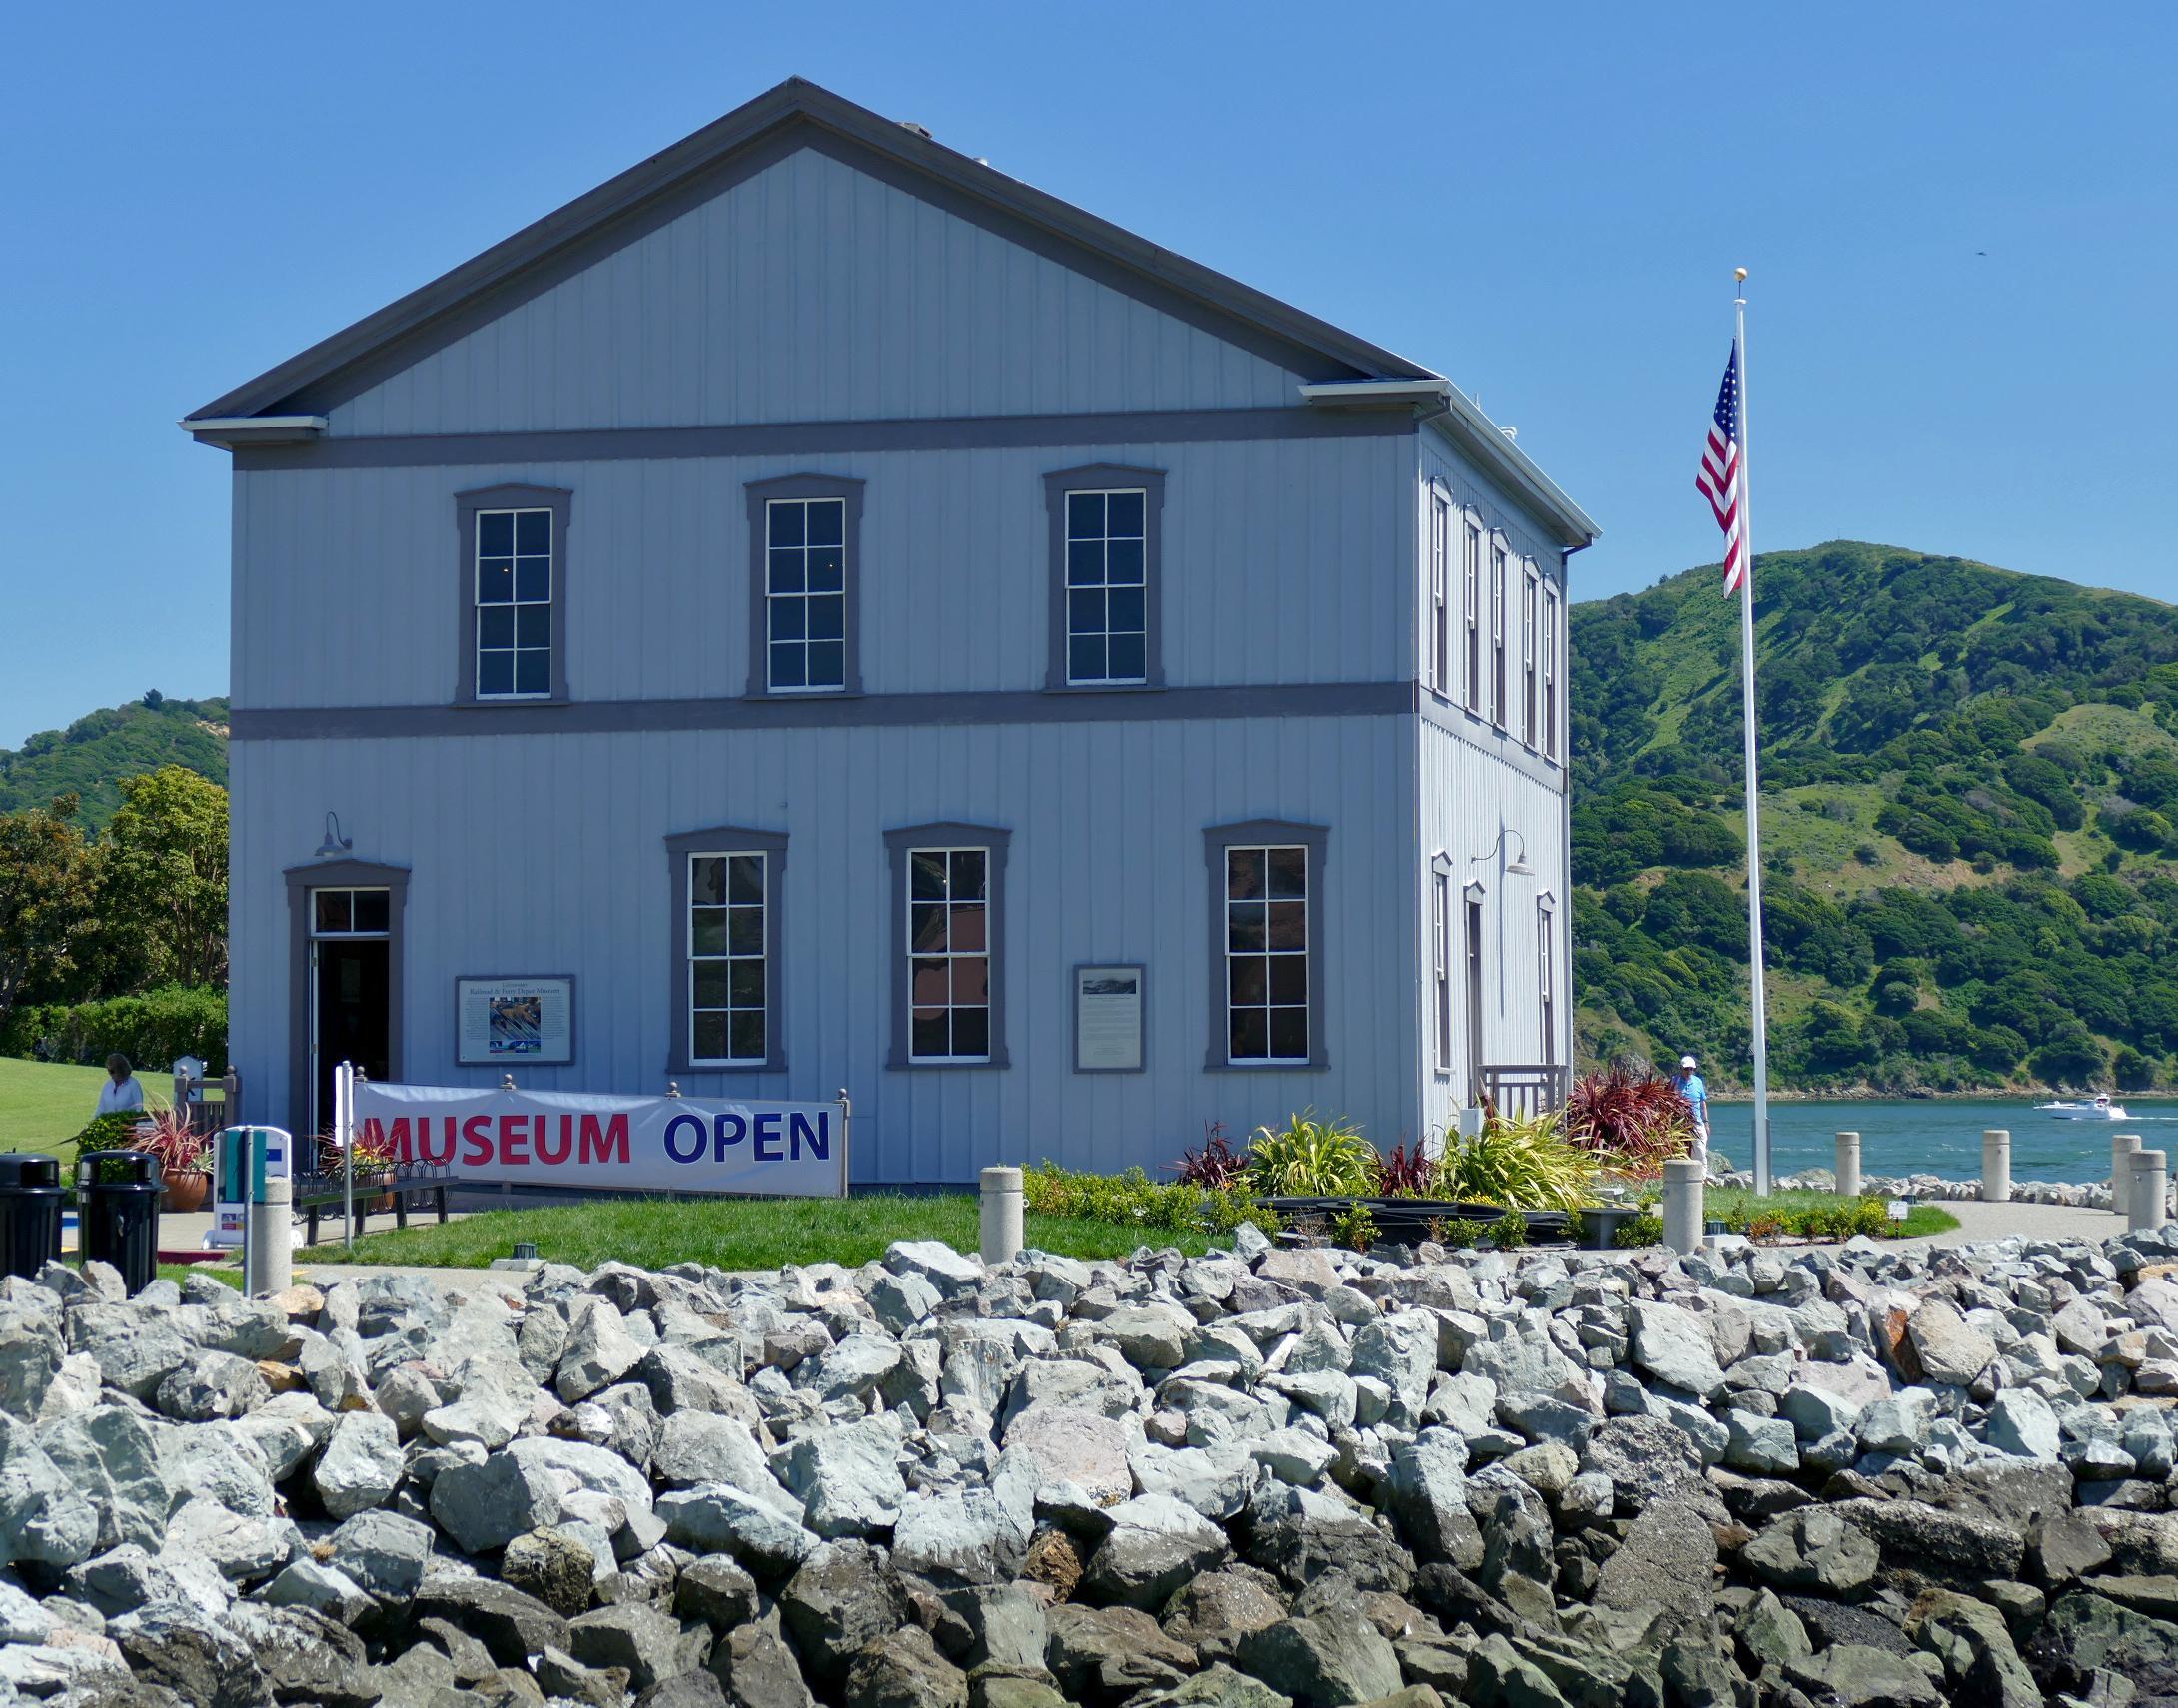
(1108, 1019)
(513, 1022)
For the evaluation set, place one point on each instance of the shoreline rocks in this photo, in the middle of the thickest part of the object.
(1265, 1476)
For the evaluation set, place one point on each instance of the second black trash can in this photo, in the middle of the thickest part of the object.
(30, 1211)
(116, 1206)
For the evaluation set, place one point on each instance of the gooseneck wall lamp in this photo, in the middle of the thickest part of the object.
(334, 843)
(1518, 868)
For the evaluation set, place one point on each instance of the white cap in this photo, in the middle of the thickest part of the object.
(1686, 1061)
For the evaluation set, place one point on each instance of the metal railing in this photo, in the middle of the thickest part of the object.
(1523, 1089)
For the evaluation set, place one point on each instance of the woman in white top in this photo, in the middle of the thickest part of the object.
(121, 1091)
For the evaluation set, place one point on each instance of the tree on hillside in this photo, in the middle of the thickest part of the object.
(163, 891)
(48, 889)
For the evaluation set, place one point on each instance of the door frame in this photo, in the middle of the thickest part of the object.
(1470, 955)
(302, 979)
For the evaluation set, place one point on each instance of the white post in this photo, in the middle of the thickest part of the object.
(269, 1265)
(344, 1140)
(1849, 1164)
(1995, 1165)
(1760, 1009)
(2123, 1148)
(2145, 1206)
(1682, 1205)
(1001, 1221)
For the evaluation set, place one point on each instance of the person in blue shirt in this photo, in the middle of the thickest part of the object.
(1696, 1093)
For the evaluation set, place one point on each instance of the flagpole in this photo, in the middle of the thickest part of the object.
(1753, 785)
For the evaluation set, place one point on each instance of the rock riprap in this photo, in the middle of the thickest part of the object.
(1274, 1477)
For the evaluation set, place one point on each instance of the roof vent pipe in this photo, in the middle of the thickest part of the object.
(922, 131)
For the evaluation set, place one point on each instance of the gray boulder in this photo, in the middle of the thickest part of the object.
(1813, 1550)
(1155, 1547)
(1336, 1656)
(361, 1466)
(1667, 1559)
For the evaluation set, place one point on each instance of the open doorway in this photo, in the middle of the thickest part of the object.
(1473, 909)
(350, 990)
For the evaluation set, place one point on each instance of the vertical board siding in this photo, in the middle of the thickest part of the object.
(544, 854)
(812, 291)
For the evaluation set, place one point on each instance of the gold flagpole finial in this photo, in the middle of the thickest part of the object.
(1741, 274)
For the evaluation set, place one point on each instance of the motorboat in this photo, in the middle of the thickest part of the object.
(2101, 1109)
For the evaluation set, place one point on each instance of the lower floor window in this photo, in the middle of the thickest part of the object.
(727, 972)
(949, 954)
(1267, 953)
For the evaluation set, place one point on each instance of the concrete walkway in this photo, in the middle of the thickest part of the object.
(1978, 1221)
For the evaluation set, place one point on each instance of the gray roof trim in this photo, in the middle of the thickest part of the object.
(799, 101)
(1479, 436)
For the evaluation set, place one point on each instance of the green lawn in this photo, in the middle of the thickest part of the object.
(1724, 1201)
(44, 1105)
(733, 1234)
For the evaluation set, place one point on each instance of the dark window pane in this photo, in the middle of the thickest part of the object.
(786, 571)
(745, 931)
(707, 1037)
(1288, 871)
(494, 580)
(745, 1033)
(1085, 563)
(533, 579)
(1126, 610)
(495, 626)
(1290, 1033)
(789, 617)
(1288, 978)
(1085, 611)
(828, 618)
(1247, 982)
(374, 911)
(708, 931)
(926, 1035)
(533, 625)
(706, 880)
(927, 979)
(1084, 515)
(747, 874)
(827, 522)
(927, 874)
(532, 672)
(1243, 873)
(495, 533)
(786, 522)
(1122, 515)
(533, 533)
(745, 983)
(1250, 1035)
(1288, 925)
(1128, 658)
(927, 926)
(788, 665)
(495, 673)
(707, 983)
(971, 1032)
(968, 864)
(827, 665)
(331, 909)
(967, 927)
(1245, 929)
(827, 570)
(971, 980)
(1085, 658)
(1123, 562)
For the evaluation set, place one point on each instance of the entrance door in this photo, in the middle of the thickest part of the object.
(1474, 957)
(351, 990)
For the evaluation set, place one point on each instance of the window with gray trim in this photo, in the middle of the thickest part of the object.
(948, 916)
(514, 593)
(1546, 975)
(1550, 671)
(1266, 949)
(727, 949)
(1106, 577)
(805, 585)
(1499, 697)
(1531, 730)
(1440, 956)
(1471, 557)
(1439, 636)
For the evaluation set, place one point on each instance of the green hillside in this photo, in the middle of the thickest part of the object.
(1970, 824)
(91, 756)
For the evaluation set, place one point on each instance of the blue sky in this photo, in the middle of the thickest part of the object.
(1543, 203)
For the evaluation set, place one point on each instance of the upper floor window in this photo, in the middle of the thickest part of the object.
(1529, 659)
(1266, 944)
(1549, 672)
(1440, 634)
(1106, 577)
(805, 585)
(514, 593)
(1499, 685)
(1470, 572)
(948, 885)
(727, 968)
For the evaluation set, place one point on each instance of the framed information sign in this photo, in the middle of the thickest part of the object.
(1108, 1019)
(506, 1023)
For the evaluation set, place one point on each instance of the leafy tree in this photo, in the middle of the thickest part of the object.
(163, 890)
(48, 885)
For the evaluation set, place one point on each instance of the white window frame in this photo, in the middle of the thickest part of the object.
(1550, 671)
(351, 933)
(1500, 560)
(765, 939)
(1471, 552)
(1546, 975)
(1441, 946)
(515, 605)
(987, 954)
(1440, 639)
(1270, 955)
(1530, 613)
(1068, 541)
(773, 598)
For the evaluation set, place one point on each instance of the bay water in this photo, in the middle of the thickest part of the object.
(1939, 1135)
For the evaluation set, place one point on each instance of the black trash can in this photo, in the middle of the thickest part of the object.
(31, 1198)
(117, 1205)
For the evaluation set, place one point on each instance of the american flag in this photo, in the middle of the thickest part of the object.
(1719, 478)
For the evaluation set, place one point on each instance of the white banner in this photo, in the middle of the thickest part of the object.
(625, 1143)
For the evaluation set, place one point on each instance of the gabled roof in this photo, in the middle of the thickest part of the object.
(796, 101)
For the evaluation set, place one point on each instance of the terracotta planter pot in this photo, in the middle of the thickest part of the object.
(377, 1183)
(185, 1192)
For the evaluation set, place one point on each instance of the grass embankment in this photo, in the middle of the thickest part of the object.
(735, 1234)
(44, 1105)
(1731, 1202)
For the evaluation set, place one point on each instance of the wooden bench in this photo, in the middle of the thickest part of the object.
(319, 1196)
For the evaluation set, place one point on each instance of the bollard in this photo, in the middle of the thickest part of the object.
(2124, 1147)
(268, 1256)
(1001, 1215)
(1682, 1177)
(2144, 1204)
(1849, 1164)
(1996, 1165)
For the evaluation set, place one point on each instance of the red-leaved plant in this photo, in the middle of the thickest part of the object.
(1217, 1167)
(180, 1148)
(1404, 1171)
(1638, 1122)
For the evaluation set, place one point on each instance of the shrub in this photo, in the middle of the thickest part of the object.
(1645, 1228)
(1524, 1164)
(1508, 1231)
(1456, 1232)
(115, 1132)
(1354, 1228)
(152, 1029)
(1638, 1121)
(1311, 1159)
(1216, 1165)
(1405, 1173)
(1134, 1197)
